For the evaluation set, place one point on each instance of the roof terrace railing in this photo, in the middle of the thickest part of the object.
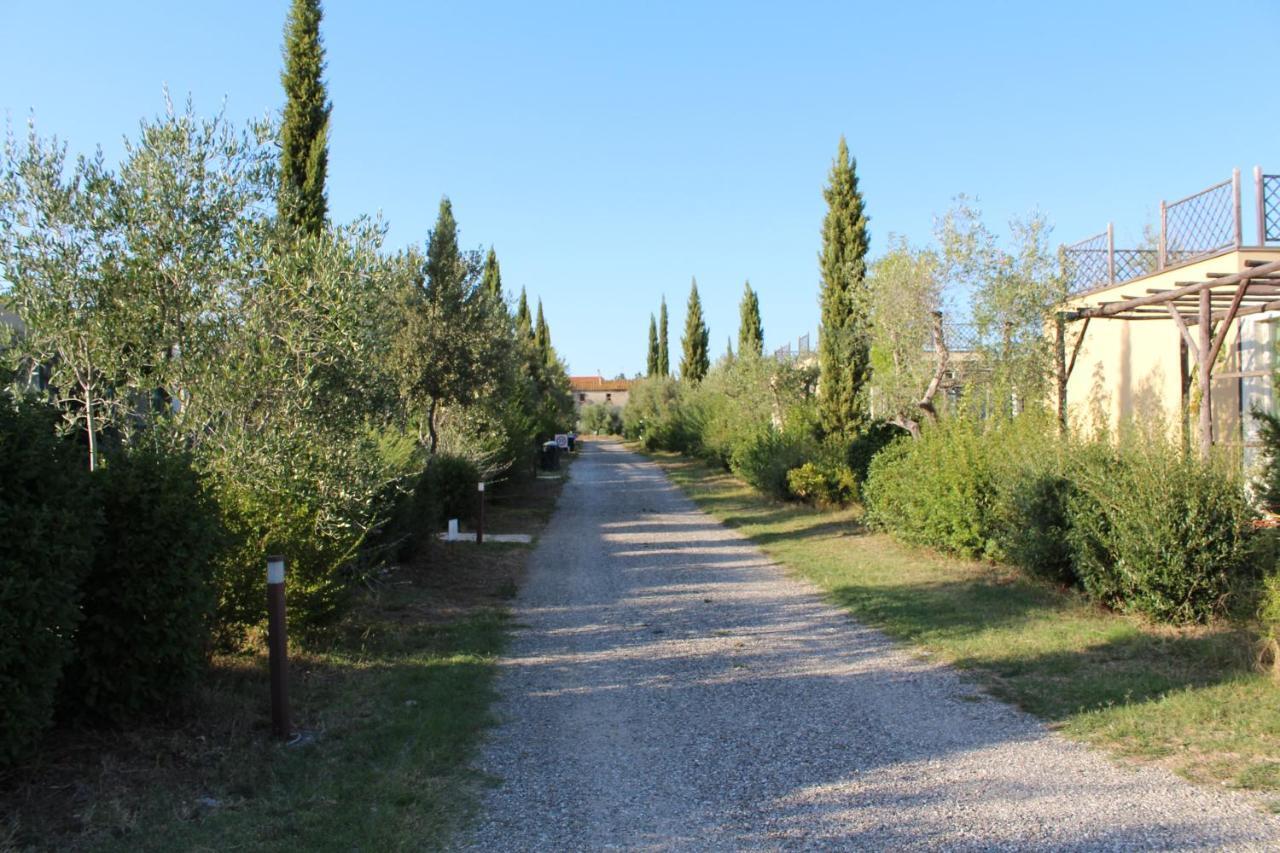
(1196, 226)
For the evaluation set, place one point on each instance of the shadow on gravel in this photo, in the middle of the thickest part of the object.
(676, 681)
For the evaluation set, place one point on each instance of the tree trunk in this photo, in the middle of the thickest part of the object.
(939, 373)
(434, 438)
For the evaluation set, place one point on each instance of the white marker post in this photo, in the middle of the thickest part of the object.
(480, 521)
(277, 648)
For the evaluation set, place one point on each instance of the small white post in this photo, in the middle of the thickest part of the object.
(452, 535)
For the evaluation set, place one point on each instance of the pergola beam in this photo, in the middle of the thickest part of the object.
(1195, 288)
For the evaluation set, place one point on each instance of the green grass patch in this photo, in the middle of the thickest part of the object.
(1187, 698)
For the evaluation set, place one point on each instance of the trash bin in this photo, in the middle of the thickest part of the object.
(573, 439)
(550, 456)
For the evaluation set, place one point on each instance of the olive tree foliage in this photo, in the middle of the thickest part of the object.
(142, 257)
(909, 354)
(1012, 293)
(453, 343)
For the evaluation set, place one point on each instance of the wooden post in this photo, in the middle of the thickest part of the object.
(480, 520)
(1204, 362)
(1260, 200)
(1235, 195)
(1111, 253)
(1162, 254)
(277, 648)
(1060, 321)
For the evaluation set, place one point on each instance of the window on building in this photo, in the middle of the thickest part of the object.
(582, 398)
(608, 398)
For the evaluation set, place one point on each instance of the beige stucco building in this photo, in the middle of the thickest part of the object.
(1131, 348)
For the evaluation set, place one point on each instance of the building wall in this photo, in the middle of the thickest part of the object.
(1134, 370)
(586, 398)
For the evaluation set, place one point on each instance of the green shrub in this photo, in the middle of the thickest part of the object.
(600, 419)
(659, 415)
(939, 490)
(822, 484)
(148, 600)
(1158, 532)
(449, 487)
(764, 459)
(1032, 475)
(1269, 622)
(48, 524)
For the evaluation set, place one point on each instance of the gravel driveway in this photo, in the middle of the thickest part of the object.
(670, 688)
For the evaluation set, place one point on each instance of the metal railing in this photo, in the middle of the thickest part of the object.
(1201, 224)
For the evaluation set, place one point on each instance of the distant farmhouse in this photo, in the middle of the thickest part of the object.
(596, 389)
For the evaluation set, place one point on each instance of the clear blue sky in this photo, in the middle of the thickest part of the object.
(612, 151)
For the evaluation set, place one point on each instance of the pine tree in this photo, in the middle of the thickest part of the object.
(524, 320)
(491, 282)
(304, 133)
(728, 348)
(750, 332)
(664, 358)
(542, 337)
(843, 339)
(695, 362)
(651, 366)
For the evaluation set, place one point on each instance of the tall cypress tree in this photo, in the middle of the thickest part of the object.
(491, 282)
(750, 332)
(664, 358)
(651, 366)
(844, 355)
(695, 362)
(524, 320)
(446, 270)
(542, 337)
(304, 133)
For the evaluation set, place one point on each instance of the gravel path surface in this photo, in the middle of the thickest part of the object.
(670, 688)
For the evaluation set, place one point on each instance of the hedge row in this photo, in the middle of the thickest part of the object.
(1140, 525)
(110, 581)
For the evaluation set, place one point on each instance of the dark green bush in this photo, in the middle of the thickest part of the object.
(48, 525)
(450, 487)
(1158, 532)
(864, 447)
(148, 600)
(1035, 533)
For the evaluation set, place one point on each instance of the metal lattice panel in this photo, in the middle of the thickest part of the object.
(803, 344)
(1271, 207)
(1086, 263)
(1200, 224)
(1133, 263)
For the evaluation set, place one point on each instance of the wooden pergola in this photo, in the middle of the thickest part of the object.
(1210, 305)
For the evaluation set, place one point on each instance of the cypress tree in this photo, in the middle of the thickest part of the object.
(651, 366)
(304, 133)
(750, 332)
(524, 321)
(664, 359)
(695, 362)
(844, 355)
(728, 348)
(491, 282)
(542, 337)
(446, 270)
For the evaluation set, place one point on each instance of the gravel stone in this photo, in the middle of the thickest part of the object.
(671, 689)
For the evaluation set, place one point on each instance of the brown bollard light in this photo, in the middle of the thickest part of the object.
(278, 648)
(480, 520)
